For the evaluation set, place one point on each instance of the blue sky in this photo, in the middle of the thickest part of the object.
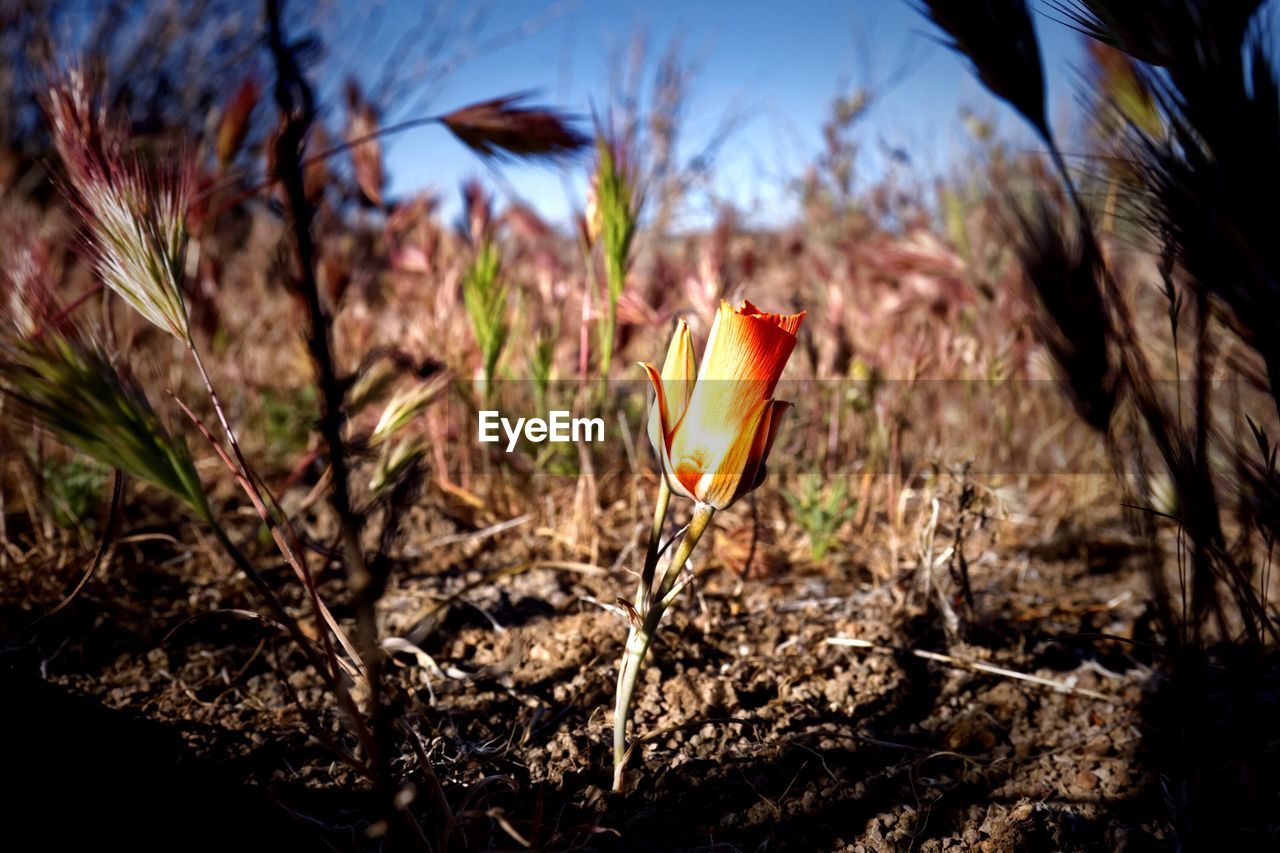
(774, 65)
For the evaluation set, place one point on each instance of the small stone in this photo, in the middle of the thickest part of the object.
(1099, 746)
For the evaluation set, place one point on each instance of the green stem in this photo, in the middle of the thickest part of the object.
(645, 587)
(638, 642)
(640, 639)
(608, 332)
(702, 514)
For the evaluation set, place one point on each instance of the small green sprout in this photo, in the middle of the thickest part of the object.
(484, 293)
(821, 508)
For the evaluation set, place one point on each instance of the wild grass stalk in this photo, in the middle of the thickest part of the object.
(484, 294)
(296, 105)
(542, 365)
(613, 217)
(1201, 155)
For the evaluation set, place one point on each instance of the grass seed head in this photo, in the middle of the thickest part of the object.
(506, 127)
(999, 39)
(72, 389)
(1174, 34)
(484, 293)
(477, 209)
(136, 216)
(1074, 324)
(617, 210)
(233, 128)
(394, 462)
(26, 267)
(404, 406)
(366, 155)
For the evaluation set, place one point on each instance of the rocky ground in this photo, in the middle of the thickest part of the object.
(759, 732)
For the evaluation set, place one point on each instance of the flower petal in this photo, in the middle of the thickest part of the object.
(789, 323)
(713, 434)
(660, 429)
(659, 419)
(679, 371)
(749, 347)
(711, 464)
(765, 447)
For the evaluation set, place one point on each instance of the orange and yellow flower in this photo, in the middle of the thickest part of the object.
(713, 433)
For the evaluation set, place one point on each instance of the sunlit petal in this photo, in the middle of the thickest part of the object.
(714, 438)
(679, 371)
(660, 428)
(711, 463)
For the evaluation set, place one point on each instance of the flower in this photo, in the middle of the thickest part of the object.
(713, 434)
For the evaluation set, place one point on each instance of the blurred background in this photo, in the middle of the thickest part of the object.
(749, 91)
(1007, 585)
